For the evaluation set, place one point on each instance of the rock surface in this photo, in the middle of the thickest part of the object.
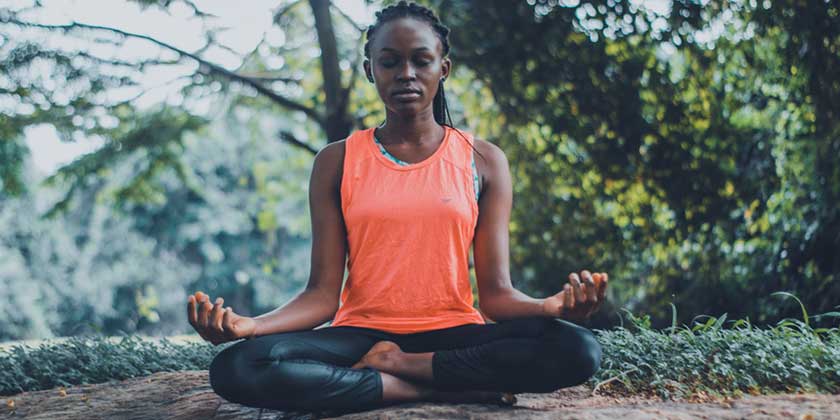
(187, 395)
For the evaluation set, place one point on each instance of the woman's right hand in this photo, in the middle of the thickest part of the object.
(215, 323)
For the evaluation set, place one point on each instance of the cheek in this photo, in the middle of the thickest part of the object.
(432, 88)
(382, 91)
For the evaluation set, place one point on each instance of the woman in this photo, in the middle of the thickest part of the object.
(403, 200)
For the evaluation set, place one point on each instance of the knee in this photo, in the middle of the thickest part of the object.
(588, 354)
(577, 356)
(259, 375)
(226, 373)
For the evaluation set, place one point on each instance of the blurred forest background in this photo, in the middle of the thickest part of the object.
(688, 148)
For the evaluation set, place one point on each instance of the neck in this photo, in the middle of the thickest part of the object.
(418, 129)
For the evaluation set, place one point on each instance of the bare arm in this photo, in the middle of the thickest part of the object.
(318, 302)
(496, 295)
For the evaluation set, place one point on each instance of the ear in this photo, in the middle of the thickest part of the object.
(446, 66)
(368, 71)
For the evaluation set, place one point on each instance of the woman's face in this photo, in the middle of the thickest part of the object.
(406, 65)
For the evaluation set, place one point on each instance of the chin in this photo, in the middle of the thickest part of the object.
(408, 108)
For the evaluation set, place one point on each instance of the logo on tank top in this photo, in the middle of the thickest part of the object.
(446, 199)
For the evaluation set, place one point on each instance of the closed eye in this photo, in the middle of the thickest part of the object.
(392, 63)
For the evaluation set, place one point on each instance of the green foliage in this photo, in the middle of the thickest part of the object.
(90, 360)
(708, 358)
(157, 135)
(87, 271)
(174, 201)
(693, 170)
(12, 154)
(117, 262)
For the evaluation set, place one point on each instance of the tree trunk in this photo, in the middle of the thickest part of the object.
(337, 124)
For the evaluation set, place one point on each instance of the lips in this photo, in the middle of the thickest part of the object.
(406, 93)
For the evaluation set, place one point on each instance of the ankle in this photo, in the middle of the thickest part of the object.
(398, 389)
(389, 361)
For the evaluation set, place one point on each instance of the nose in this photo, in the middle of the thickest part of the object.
(406, 72)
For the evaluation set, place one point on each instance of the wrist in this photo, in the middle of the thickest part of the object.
(258, 328)
(546, 311)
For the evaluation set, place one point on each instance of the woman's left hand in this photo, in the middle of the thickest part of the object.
(578, 300)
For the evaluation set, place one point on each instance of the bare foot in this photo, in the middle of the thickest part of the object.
(384, 356)
(379, 356)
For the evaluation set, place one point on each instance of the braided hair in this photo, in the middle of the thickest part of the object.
(404, 9)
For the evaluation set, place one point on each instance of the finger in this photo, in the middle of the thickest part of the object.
(580, 295)
(592, 287)
(602, 292)
(191, 316)
(577, 293)
(203, 312)
(192, 304)
(569, 301)
(227, 321)
(216, 316)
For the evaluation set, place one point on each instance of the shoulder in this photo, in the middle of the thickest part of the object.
(490, 150)
(332, 151)
(492, 161)
(329, 161)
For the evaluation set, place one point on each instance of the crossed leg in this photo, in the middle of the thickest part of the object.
(300, 370)
(536, 354)
(312, 370)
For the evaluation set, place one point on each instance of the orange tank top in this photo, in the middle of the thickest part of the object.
(409, 231)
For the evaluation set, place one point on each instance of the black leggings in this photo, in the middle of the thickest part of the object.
(310, 370)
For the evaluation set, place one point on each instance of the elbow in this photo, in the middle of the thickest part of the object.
(332, 311)
(327, 301)
(489, 300)
(328, 312)
(331, 308)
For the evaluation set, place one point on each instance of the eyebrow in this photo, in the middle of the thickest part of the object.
(395, 50)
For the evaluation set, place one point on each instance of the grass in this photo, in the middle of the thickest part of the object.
(708, 359)
(677, 362)
(96, 359)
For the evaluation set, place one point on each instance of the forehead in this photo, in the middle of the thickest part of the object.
(406, 34)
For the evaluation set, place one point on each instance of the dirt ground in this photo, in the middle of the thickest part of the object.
(187, 395)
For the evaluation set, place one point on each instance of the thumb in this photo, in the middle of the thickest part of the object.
(227, 320)
(554, 305)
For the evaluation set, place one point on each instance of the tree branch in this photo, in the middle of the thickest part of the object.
(286, 9)
(212, 67)
(197, 12)
(288, 137)
(347, 17)
(268, 77)
(116, 62)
